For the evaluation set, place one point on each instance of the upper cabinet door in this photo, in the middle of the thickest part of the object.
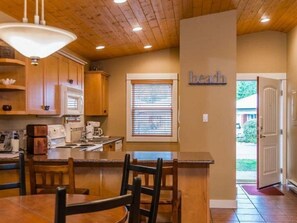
(71, 73)
(96, 93)
(42, 92)
(35, 97)
(51, 79)
(63, 71)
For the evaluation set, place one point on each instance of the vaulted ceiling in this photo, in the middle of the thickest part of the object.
(102, 22)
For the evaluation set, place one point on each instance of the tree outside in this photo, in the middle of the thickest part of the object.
(245, 89)
(249, 132)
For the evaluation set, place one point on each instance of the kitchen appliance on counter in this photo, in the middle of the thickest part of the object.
(5, 144)
(37, 139)
(93, 129)
(12, 141)
(57, 138)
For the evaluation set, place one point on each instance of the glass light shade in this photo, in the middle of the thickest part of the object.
(33, 40)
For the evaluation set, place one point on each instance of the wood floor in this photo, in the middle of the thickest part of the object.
(252, 209)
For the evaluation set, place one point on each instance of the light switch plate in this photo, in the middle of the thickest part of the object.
(205, 117)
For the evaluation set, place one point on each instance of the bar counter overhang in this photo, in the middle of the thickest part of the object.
(101, 172)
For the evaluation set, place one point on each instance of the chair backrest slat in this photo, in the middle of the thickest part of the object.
(169, 187)
(154, 172)
(20, 167)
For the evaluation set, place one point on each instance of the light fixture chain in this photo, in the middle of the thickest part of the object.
(36, 16)
(42, 21)
(25, 19)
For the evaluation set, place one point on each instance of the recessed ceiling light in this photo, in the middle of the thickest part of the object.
(137, 28)
(147, 46)
(100, 47)
(119, 1)
(265, 19)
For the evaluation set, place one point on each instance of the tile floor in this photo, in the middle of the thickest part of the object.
(252, 209)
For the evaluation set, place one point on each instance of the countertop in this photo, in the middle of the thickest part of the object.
(115, 159)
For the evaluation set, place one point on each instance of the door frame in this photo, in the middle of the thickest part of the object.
(283, 113)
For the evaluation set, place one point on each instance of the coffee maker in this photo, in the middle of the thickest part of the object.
(96, 131)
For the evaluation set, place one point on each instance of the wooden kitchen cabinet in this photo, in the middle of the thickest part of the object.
(71, 73)
(109, 147)
(15, 94)
(96, 93)
(42, 86)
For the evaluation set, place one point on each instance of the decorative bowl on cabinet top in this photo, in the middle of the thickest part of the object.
(7, 81)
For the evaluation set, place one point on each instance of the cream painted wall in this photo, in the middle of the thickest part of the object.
(164, 61)
(291, 86)
(208, 44)
(264, 52)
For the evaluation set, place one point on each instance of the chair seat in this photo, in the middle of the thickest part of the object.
(163, 199)
(84, 191)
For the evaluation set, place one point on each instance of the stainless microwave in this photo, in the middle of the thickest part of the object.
(72, 103)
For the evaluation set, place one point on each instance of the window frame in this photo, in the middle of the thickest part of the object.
(151, 76)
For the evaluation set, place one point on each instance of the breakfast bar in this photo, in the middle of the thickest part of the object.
(101, 173)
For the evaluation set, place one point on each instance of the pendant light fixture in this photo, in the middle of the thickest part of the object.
(35, 40)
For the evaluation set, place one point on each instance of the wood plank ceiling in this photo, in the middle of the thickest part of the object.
(102, 22)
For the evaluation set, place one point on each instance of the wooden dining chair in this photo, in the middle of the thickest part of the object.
(45, 178)
(153, 193)
(20, 167)
(133, 200)
(169, 195)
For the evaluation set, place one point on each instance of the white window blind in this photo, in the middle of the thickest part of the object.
(72, 103)
(152, 108)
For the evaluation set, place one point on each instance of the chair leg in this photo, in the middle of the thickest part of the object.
(175, 214)
(179, 213)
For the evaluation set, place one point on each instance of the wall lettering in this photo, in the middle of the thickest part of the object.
(207, 79)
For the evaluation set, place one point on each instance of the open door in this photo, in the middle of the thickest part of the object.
(268, 132)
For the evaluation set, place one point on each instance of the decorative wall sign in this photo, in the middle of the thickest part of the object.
(215, 79)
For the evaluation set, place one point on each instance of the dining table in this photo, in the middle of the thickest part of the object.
(40, 208)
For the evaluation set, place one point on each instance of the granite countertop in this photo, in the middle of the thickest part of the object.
(115, 159)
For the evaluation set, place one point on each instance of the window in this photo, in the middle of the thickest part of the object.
(152, 107)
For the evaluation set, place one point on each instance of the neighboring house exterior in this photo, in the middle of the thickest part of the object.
(246, 109)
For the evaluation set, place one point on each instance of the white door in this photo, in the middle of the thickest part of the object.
(268, 132)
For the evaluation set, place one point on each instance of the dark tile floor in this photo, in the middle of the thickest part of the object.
(252, 208)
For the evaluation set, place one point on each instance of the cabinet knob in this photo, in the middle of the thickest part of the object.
(70, 81)
(104, 111)
(46, 107)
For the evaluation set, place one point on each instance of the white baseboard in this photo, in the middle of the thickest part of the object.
(223, 203)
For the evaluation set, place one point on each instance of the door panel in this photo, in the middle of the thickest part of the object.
(268, 132)
(51, 79)
(35, 87)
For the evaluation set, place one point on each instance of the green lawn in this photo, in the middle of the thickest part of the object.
(246, 165)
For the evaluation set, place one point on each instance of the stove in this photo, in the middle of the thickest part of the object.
(57, 139)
